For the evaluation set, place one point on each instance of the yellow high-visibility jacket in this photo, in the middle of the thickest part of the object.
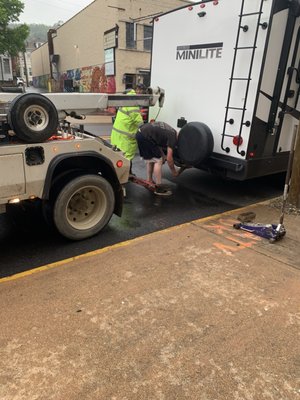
(125, 127)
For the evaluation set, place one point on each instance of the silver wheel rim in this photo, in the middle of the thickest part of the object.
(86, 207)
(36, 118)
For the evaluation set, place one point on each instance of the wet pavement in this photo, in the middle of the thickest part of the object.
(27, 242)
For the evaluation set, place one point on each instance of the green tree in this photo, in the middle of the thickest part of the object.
(12, 39)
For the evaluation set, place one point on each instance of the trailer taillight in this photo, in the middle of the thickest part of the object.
(190, 8)
(251, 154)
(119, 163)
(215, 3)
(237, 140)
(14, 201)
(202, 5)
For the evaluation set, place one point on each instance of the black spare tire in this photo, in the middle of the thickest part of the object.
(195, 143)
(33, 117)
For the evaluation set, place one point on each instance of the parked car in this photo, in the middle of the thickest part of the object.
(20, 81)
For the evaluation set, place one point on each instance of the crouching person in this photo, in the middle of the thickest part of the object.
(156, 143)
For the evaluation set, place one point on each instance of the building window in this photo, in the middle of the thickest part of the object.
(144, 77)
(147, 37)
(6, 65)
(109, 59)
(130, 35)
(129, 80)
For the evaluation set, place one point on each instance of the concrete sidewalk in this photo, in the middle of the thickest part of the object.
(200, 311)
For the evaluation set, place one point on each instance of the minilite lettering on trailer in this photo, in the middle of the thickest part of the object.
(199, 51)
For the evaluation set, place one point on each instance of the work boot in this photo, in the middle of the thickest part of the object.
(161, 190)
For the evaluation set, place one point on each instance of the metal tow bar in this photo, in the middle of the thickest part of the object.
(142, 182)
(161, 190)
(152, 186)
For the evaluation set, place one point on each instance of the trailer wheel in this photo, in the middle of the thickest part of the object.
(33, 117)
(195, 143)
(83, 207)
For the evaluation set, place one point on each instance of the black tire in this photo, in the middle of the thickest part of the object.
(195, 143)
(33, 117)
(83, 207)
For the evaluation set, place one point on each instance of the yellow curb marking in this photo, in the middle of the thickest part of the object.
(57, 264)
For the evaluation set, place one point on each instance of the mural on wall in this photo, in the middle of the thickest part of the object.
(40, 81)
(94, 80)
(86, 80)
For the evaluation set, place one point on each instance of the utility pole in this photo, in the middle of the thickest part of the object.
(51, 53)
(294, 191)
(1, 66)
(25, 68)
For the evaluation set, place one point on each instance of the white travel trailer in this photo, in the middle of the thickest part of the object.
(231, 71)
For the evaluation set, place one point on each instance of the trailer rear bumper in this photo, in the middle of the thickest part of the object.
(239, 169)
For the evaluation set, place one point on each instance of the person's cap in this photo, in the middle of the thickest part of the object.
(141, 86)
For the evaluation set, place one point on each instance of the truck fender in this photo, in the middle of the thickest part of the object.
(88, 161)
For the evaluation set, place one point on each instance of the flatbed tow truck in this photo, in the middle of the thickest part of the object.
(76, 176)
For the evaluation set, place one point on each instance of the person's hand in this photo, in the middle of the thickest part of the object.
(183, 168)
(175, 172)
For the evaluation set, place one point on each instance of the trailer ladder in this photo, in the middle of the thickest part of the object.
(238, 49)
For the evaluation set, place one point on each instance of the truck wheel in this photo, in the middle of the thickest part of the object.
(33, 117)
(195, 143)
(83, 207)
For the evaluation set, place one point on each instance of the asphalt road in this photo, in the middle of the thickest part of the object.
(27, 242)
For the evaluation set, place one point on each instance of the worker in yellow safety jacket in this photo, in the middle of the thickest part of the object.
(126, 124)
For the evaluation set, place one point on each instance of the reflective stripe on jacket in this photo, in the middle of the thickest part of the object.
(125, 127)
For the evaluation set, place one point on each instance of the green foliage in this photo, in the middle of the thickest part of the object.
(12, 39)
(10, 11)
